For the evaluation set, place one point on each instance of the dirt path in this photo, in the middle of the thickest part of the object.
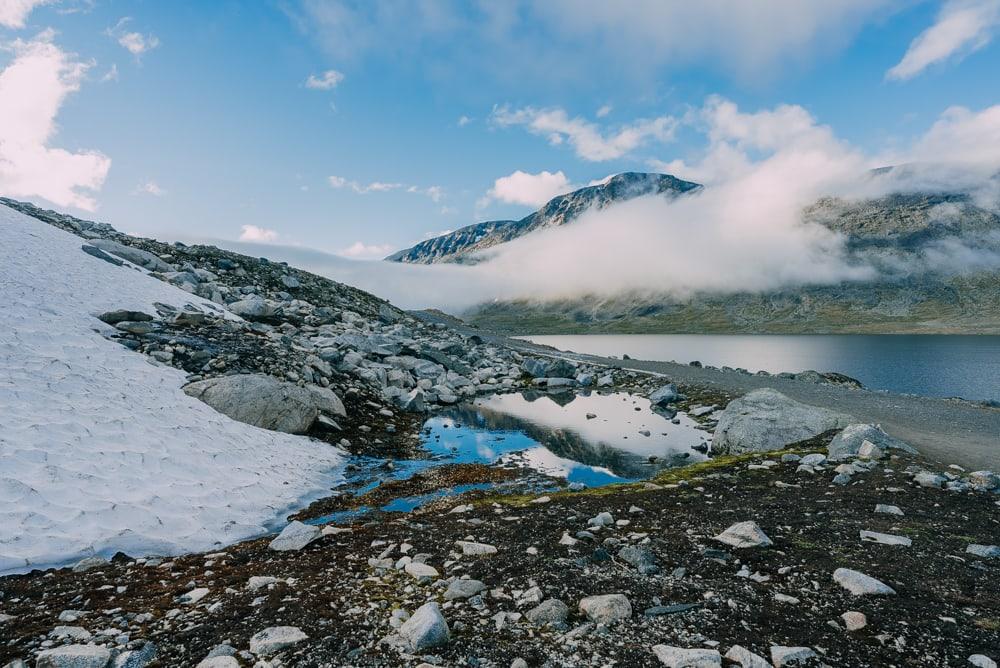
(952, 432)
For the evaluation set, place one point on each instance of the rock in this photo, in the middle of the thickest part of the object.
(252, 308)
(869, 450)
(136, 658)
(606, 608)
(115, 317)
(295, 536)
(266, 402)
(814, 459)
(73, 656)
(561, 368)
(929, 479)
(144, 259)
(193, 596)
(218, 662)
(641, 558)
(746, 659)
(790, 656)
(471, 549)
(885, 538)
(101, 255)
(551, 611)
(664, 395)
(888, 509)
(77, 633)
(421, 572)
(274, 639)
(260, 581)
(984, 480)
(426, 628)
(852, 438)
(463, 589)
(854, 620)
(982, 661)
(744, 534)
(768, 420)
(984, 551)
(679, 657)
(860, 584)
(534, 367)
(89, 563)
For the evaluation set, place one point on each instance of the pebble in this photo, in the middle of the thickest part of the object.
(854, 620)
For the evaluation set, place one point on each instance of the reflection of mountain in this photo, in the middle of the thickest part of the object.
(567, 443)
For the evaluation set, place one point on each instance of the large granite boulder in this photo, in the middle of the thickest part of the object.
(266, 402)
(766, 419)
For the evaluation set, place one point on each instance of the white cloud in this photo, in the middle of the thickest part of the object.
(33, 87)
(134, 42)
(13, 13)
(962, 26)
(434, 193)
(362, 251)
(150, 188)
(529, 189)
(326, 81)
(604, 111)
(463, 121)
(111, 74)
(258, 234)
(589, 140)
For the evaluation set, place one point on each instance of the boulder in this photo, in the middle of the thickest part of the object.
(791, 656)
(534, 367)
(745, 658)
(266, 402)
(561, 369)
(274, 639)
(144, 259)
(426, 628)
(73, 656)
(667, 394)
(252, 308)
(744, 534)
(852, 439)
(463, 589)
(606, 608)
(984, 551)
(768, 420)
(551, 611)
(295, 536)
(679, 657)
(860, 584)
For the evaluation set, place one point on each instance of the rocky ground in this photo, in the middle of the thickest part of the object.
(876, 556)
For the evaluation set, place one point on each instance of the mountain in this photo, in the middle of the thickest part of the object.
(461, 245)
(937, 255)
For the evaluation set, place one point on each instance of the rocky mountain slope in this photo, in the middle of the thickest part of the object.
(936, 255)
(461, 245)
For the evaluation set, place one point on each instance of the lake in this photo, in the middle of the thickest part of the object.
(928, 365)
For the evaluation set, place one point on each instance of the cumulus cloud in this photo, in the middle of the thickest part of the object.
(362, 251)
(529, 189)
(260, 235)
(33, 88)
(588, 139)
(14, 13)
(962, 27)
(134, 42)
(463, 120)
(325, 81)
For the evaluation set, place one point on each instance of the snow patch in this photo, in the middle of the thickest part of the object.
(100, 450)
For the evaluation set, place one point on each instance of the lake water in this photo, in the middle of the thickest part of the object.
(938, 366)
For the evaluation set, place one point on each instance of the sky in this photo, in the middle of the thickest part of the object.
(359, 128)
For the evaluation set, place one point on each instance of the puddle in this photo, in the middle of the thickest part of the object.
(594, 439)
(590, 439)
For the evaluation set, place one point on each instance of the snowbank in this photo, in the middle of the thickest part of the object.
(100, 450)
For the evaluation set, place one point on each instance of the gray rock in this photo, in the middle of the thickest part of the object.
(463, 589)
(471, 549)
(851, 439)
(551, 611)
(860, 584)
(814, 459)
(218, 662)
(101, 255)
(115, 317)
(74, 656)
(133, 327)
(426, 628)
(664, 395)
(420, 571)
(137, 658)
(295, 536)
(984, 480)
(888, 509)
(929, 479)
(88, 563)
(791, 656)
(266, 402)
(744, 534)
(854, 620)
(641, 558)
(561, 368)
(274, 639)
(982, 661)
(144, 259)
(984, 551)
(606, 608)
(768, 420)
(679, 657)
(746, 659)
(252, 308)
(885, 538)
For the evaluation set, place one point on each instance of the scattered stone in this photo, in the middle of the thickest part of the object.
(678, 657)
(860, 584)
(745, 658)
(854, 620)
(606, 608)
(984, 551)
(849, 441)
(463, 589)
(295, 536)
(471, 549)
(426, 628)
(982, 661)
(888, 509)
(885, 538)
(744, 534)
(73, 656)
(551, 611)
(790, 656)
(274, 639)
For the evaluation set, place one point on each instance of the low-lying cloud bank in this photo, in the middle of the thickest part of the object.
(743, 232)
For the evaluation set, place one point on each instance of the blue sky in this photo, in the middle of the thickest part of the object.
(198, 119)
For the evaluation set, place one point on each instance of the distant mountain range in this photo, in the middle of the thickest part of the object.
(933, 251)
(462, 244)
